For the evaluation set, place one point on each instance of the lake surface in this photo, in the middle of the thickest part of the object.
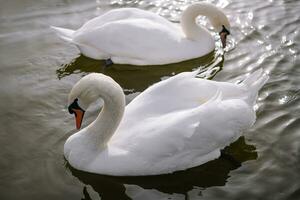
(37, 71)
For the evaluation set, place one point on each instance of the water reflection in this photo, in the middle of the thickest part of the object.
(33, 116)
(128, 75)
(213, 173)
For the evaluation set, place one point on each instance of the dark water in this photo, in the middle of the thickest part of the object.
(37, 71)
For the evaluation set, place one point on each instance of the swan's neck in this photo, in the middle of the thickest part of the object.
(108, 120)
(188, 20)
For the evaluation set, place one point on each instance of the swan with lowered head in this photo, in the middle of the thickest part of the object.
(176, 124)
(138, 37)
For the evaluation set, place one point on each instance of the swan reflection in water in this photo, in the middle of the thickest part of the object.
(176, 185)
(139, 78)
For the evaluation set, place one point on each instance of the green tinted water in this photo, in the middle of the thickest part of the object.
(38, 71)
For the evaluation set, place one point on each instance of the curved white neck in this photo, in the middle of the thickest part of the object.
(188, 19)
(108, 120)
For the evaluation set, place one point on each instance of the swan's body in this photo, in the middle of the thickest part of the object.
(173, 125)
(138, 37)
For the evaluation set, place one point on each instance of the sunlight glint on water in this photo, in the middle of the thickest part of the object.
(38, 70)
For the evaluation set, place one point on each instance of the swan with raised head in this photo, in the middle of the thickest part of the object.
(176, 124)
(138, 37)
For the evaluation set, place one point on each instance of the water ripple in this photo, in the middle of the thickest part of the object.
(35, 80)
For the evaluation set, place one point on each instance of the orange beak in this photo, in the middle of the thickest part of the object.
(78, 117)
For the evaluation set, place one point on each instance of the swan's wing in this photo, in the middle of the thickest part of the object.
(177, 94)
(138, 37)
(183, 139)
(123, 14)
(164, 130)
(247, 90)
(180, 92)
(182, 122)
(142, 39)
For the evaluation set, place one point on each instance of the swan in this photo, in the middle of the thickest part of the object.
(137, 37)
(175, 124)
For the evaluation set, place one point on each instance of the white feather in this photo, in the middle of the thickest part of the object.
(138, 37)
(173, 125)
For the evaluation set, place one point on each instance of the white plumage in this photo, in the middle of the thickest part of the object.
(138, 37)
(173, 125)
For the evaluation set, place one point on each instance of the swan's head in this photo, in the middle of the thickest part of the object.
(223, 35)
(218, 20)
(215, 15)
(75, 109)
(83, 93)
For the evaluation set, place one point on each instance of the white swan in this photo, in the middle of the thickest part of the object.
(173, 125)
(138, 37)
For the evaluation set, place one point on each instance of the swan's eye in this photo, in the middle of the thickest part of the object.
(73, 106)
(225, 30)
(70, 110)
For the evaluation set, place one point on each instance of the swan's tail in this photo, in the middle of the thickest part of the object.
(63, 33)
(254, 82)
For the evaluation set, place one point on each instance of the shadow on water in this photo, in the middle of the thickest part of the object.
(213, 173)
(139, 78)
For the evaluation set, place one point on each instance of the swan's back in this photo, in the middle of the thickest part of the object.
(124, 14)
(138, 37)
(183, 91)
(184, 122)
(140, 41)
